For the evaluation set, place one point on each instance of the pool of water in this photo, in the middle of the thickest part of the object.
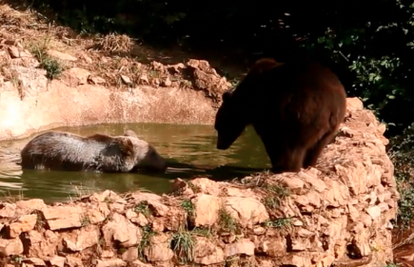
(190, 151)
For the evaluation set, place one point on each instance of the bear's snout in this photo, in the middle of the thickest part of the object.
(222, 145)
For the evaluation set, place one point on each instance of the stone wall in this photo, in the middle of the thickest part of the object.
(29, 103)
(338, 213)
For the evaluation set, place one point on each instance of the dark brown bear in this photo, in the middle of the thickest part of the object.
(295, 107)
(63, 151)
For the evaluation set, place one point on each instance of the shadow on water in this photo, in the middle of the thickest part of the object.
(190, 151)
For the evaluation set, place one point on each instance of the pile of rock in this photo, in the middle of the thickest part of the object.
(337, 214)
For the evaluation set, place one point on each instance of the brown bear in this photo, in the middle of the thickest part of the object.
(295, 107)
(63, 151)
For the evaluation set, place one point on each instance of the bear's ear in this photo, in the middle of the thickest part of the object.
(125, 145)
(130, 133)
(227, 95)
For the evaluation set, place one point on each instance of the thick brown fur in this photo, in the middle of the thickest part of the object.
(295, 107)
(64, 151)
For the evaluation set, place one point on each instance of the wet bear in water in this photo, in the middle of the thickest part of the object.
(56, 150)
(295, 107)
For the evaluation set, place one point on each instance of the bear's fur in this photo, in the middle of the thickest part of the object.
(63, 151)
(295, 107)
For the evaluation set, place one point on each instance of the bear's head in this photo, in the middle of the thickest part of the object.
(230, 121)
(146, 156)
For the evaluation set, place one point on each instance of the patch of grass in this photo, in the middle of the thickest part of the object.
(18, 259)
(121, 250)
(54, 68)
(391, 264)
(196, 189)
(154, 74)
(275, 194)
(182, 243)
(232, 261)
(188, 206)
(278, 223)
(9, 197)
(145, 241)
(143, 207)
(114, 42)
(202, 231)
(85, 220)
(278, 190)
(108, 200)
(227, 222)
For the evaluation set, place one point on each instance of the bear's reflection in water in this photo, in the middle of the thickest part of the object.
(188, 149)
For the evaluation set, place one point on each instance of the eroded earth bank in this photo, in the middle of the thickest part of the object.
(338, 213)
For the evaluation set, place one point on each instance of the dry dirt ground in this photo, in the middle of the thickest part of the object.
(55, 77)
(122, 61)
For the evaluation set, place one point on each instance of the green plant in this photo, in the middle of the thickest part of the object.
(227, 222)
(188, 206)
(147, 233)
(54, 68)
(85, 220)
(143, 207)
(278, 223)
(202, 231)
(274, 194)
(196, 189)
(182, 243)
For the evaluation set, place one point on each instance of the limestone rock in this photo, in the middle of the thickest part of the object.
(11, 246)
(105, 196)
(35, 261)
(57, 261)
(294, 184)
(298, 261)
(111, 263)
(61, 56)
(273, 247)
(159, 248)
(166, 82)
(354, 104)
(7, 210)
(82, 238)
(31, 204)
(206, 186)
(138, 263)
(95, 216)
(206, 77)
(206, 253)
(247, 211)
(42, 245)
(59, 217)
(206, 209)
(95, 80)
(130, 255)
(24, 224)
(243, 246)
(73, 261)
(374, 212)
(122, 230)
(77, 76)
(126, 80)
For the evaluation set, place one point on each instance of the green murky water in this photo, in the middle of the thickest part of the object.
(189, 149)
